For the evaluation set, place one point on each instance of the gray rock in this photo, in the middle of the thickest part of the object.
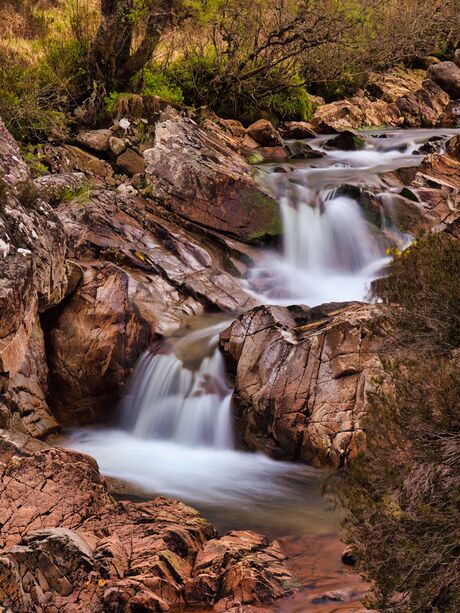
(447, 76)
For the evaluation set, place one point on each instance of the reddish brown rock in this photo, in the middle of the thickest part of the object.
(302, 378)
(391, 85)
(424, 107)
(131, 162)
(450, 117)
(32, 279)
(355, 113)
(297, 130)
(113, 316)
(432, 196)
(85, 552)
(195, 174)
(264, 133)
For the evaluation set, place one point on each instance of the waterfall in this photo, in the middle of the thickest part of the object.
(171, 401)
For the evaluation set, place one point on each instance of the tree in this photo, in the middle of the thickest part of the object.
(115, 58)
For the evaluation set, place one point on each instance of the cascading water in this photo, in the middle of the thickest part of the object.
(175, 435)
(169, 401)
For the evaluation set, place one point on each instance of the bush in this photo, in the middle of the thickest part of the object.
(402, 496)
(157, 83)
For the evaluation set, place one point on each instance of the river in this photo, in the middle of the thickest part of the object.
(174, 431)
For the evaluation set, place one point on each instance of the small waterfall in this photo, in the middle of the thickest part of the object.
(329, 237)
(172, 401)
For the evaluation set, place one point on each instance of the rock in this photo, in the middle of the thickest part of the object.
(269, 154)
(127, 231)
(58, 187)
(32, 280)
(131, 162)
(450, 117)
(447, 76)
(298, 150)
(302, 377)
(84, 551)
(97, 140)
(264, 133)
(233, 126)
(390, 86)
(68, 159)
(255, 571)
(297, 130)
(211, 185)
(117, 145)
(139, 281)
(101, 333)
(457, 57)
(424, 107)
(435, 144)
(346, 141)
(357, 112)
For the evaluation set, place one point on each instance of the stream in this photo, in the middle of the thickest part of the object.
(174, 434)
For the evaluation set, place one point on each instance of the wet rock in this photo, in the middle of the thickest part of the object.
(357, 112)
(302, 378)
(269, 154)
(127, 231)
(100, 334)
(210, 185)
(97, 140)
(264, 133)
(299, 150)
(131, 162)
(297, 130)
(434, 144)
(447, 76)
(83, 551)
(423, 107)
(346, 141)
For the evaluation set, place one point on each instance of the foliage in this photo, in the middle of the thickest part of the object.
(157, 83)
(402, 496)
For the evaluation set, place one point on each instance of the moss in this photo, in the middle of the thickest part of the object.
(267, 211)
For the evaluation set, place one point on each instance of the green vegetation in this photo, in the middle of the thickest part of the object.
(245, 59)
(403, 494)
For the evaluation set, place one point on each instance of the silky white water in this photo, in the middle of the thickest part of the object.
(175, 433)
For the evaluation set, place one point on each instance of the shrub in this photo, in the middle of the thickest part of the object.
(402, 496)
(157, 83)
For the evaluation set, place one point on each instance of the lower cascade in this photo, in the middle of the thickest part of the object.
(169, 401)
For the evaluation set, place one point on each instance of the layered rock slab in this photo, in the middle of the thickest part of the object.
(303, 378)
(86, 552)
(193, 172)
(32, 279)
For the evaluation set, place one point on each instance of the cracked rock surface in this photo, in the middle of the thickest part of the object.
(302, 378)
(66, 545)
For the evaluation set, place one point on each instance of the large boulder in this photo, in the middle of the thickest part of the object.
(82, 551)
(447, 76)
(303, 378)
(429, 197)
(193, 172)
